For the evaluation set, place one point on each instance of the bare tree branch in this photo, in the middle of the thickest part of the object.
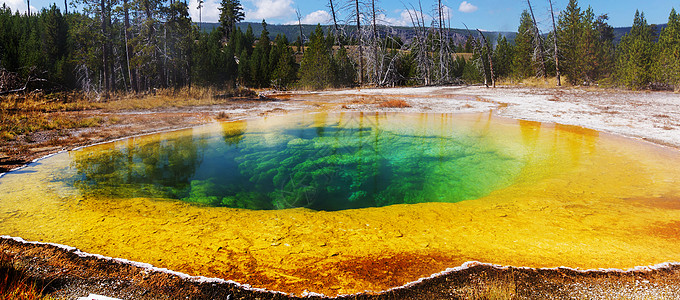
(557, 59)
(488, 57)
(476, 45)
(302, 41)
(538, 50)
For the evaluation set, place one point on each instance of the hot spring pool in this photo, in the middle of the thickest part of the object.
(339, 203)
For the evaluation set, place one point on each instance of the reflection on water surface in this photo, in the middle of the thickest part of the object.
(342, 203)
(316, 161)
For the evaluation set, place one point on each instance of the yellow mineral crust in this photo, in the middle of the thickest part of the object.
(584, 200)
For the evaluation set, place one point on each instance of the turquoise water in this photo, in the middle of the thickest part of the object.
(318, 161)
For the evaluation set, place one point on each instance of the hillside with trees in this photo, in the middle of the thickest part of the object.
(141, 45)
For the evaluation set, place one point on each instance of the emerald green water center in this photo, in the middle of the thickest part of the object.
(318, 161)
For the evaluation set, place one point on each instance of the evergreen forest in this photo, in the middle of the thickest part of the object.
(134, 46)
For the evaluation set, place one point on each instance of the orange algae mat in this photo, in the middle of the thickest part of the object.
(581, 199)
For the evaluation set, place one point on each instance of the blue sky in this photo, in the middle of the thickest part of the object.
(483, 14)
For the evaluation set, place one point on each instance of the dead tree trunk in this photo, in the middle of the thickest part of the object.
(335, 24)
(557, 57)
(539, 43)
(126, 20)
(488, 57)
(361, 50)
(421, 51)
(105, 54)
(475, 45)
(374, 44)
(109, 48)
(302, 41)
(166, 72)
(65, 8)
(200, 20)
(442, 54)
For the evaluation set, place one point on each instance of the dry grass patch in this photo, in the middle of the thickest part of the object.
(15, 284)
(534, 82)
(498, 288)
(24, 114)
(161, 98)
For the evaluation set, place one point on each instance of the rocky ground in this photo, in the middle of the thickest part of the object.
(652, 116)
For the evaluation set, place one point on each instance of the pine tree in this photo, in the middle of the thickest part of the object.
(588, 60)
(215, 65)
(316, 68)
(604, 47)
(282, 62)
(244, 77)
(468, 45)
(406, 68)
(585, 44)
(502, 57)
(524, 48)
(570, 32)
(458, 66)
(249, 39)
(634, 54)
(230, 68)
(179, 40)
(231, 12)
(259, 61)
(345, 72)
(276, 51)
(9, 42)
(54, 37)
(667, 64)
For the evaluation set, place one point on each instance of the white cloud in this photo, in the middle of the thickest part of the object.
(270, 9)
(467, 7)
(404, 18)
(209, 13)
(408, 16)
(19, 5)
(385, 20)
(448, 12)
(317, 17)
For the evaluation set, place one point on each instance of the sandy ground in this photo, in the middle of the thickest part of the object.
(652, 116)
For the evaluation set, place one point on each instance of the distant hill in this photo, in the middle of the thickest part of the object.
(619, 32)
(405, 33)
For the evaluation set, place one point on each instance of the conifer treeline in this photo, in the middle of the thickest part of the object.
(139, 45)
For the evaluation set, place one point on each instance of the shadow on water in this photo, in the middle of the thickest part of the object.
(332, 162)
